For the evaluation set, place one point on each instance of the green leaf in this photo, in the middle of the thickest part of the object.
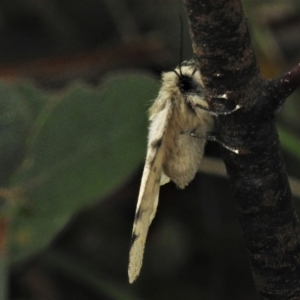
(85, 144)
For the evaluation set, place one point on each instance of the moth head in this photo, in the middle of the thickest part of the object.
(188, 80)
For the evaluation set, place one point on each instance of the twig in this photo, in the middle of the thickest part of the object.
(216, 167)
(258, 178)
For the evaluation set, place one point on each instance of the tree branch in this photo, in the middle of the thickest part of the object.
(270, 227)
(285, 85)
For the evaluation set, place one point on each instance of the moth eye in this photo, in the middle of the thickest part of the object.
(186, 85)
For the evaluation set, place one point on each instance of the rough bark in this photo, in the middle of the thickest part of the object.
(231, 76)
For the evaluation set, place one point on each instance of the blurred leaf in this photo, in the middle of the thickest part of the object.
(15, 118)
(85, 143)
(289, 142)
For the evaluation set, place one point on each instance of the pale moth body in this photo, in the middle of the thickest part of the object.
(172, 152)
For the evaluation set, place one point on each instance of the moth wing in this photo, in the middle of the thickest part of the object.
(164, 179)
(152, 178)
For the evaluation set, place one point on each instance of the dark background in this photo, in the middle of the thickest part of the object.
(195, 249)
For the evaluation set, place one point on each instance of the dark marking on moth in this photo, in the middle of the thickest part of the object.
(157, 143)
(138, 215)
(133, 238)
(151, 163)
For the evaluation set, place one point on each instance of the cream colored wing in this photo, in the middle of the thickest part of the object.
(152, 178)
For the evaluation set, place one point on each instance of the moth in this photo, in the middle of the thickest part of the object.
(177, 117)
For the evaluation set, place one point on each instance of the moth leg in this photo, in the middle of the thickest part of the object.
(218, 113)
(214, 138)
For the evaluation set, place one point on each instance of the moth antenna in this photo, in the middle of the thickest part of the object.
(194, 71)
(180, 71)
(178, 75)
(181, 45)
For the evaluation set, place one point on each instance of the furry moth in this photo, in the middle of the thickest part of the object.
(172, 152)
